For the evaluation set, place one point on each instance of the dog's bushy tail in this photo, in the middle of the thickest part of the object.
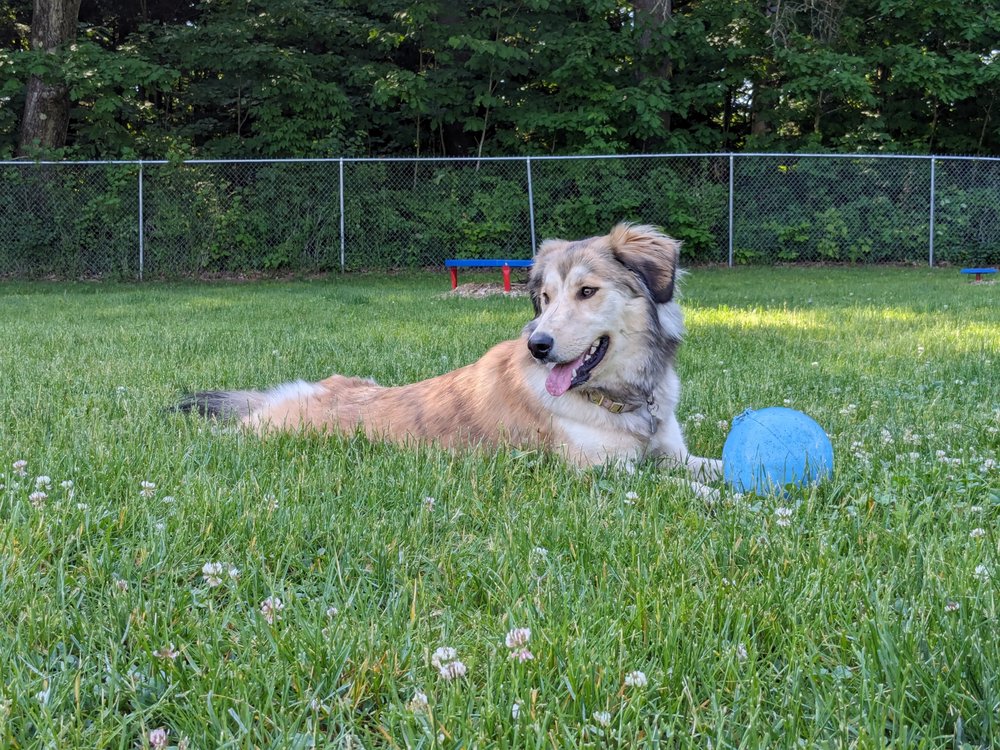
(226, 405)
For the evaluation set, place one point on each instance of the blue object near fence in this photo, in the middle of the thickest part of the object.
(979, 272)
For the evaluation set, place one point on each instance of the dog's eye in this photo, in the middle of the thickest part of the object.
(545, 298)
(588, 291)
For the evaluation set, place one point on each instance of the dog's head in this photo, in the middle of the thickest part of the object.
(596, 303)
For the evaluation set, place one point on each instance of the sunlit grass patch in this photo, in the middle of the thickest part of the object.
(160, 572)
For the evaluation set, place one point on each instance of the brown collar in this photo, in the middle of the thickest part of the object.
(605, 402)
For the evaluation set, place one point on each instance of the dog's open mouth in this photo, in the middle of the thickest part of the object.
(566, 375)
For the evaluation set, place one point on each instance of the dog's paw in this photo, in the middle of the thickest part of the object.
(709, 494)
(704, 469)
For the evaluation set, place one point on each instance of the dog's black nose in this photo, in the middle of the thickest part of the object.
(540, 345)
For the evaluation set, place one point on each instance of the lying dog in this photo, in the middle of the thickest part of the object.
(591, 378)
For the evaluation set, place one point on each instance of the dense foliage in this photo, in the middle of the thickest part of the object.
(345, 77)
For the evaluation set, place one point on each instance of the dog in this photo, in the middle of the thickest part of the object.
(591, 377)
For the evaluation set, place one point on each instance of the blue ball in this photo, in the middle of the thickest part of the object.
(769, 449)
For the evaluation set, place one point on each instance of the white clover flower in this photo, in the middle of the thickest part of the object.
(448, 666)
(158, 738)
(234, 573)
(37, 498)
(976, 509)
(697, 418)
(20, 468)
(540, 552)
(518, 637)
(452, 670)
(82, 506)
(636, 679)
(602, 717)
(43, 483)
(148, 489)
(121, 584)
(332, 612)
(42, 696)
(982, 572)
(632, 496)
(784, 516)
(977, 533)
(741, 652)
(522, 655)
(212, 573)
(271, 608)
(429, 503)
(418, 702)
(951, 606)
(722, 424)
(167, 499)
(442, 655)
(166, 652)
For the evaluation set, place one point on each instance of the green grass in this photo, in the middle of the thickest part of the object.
(837, 630)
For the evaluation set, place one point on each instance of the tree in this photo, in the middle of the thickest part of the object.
(45, 121)
(231, 78)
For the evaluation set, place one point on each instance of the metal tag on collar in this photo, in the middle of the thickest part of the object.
(654, 422)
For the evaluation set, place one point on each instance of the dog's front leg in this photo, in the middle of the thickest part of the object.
(668, 444)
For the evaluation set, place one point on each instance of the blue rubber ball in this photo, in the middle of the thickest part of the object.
(771, 448)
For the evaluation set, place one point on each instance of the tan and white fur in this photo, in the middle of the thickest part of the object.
(591, 377)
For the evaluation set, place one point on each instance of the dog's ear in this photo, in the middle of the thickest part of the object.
(546, 251)
(649, 254)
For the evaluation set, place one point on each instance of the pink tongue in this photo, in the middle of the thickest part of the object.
(560, 377)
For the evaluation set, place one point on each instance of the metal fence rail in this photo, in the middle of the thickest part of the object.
(158, 219)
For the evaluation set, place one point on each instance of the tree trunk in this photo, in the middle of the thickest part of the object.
(45, 121)
(650, 15)
(763, 102)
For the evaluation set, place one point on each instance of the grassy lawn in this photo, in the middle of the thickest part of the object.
(865, 613)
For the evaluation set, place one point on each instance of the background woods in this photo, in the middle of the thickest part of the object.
(345, 77)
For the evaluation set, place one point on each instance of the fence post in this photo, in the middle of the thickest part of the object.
(731, 165)
(142, 243)
(930, 243)
(531, 204)
(342, 240)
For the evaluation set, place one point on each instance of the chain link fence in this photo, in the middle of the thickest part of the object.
(131, 220)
